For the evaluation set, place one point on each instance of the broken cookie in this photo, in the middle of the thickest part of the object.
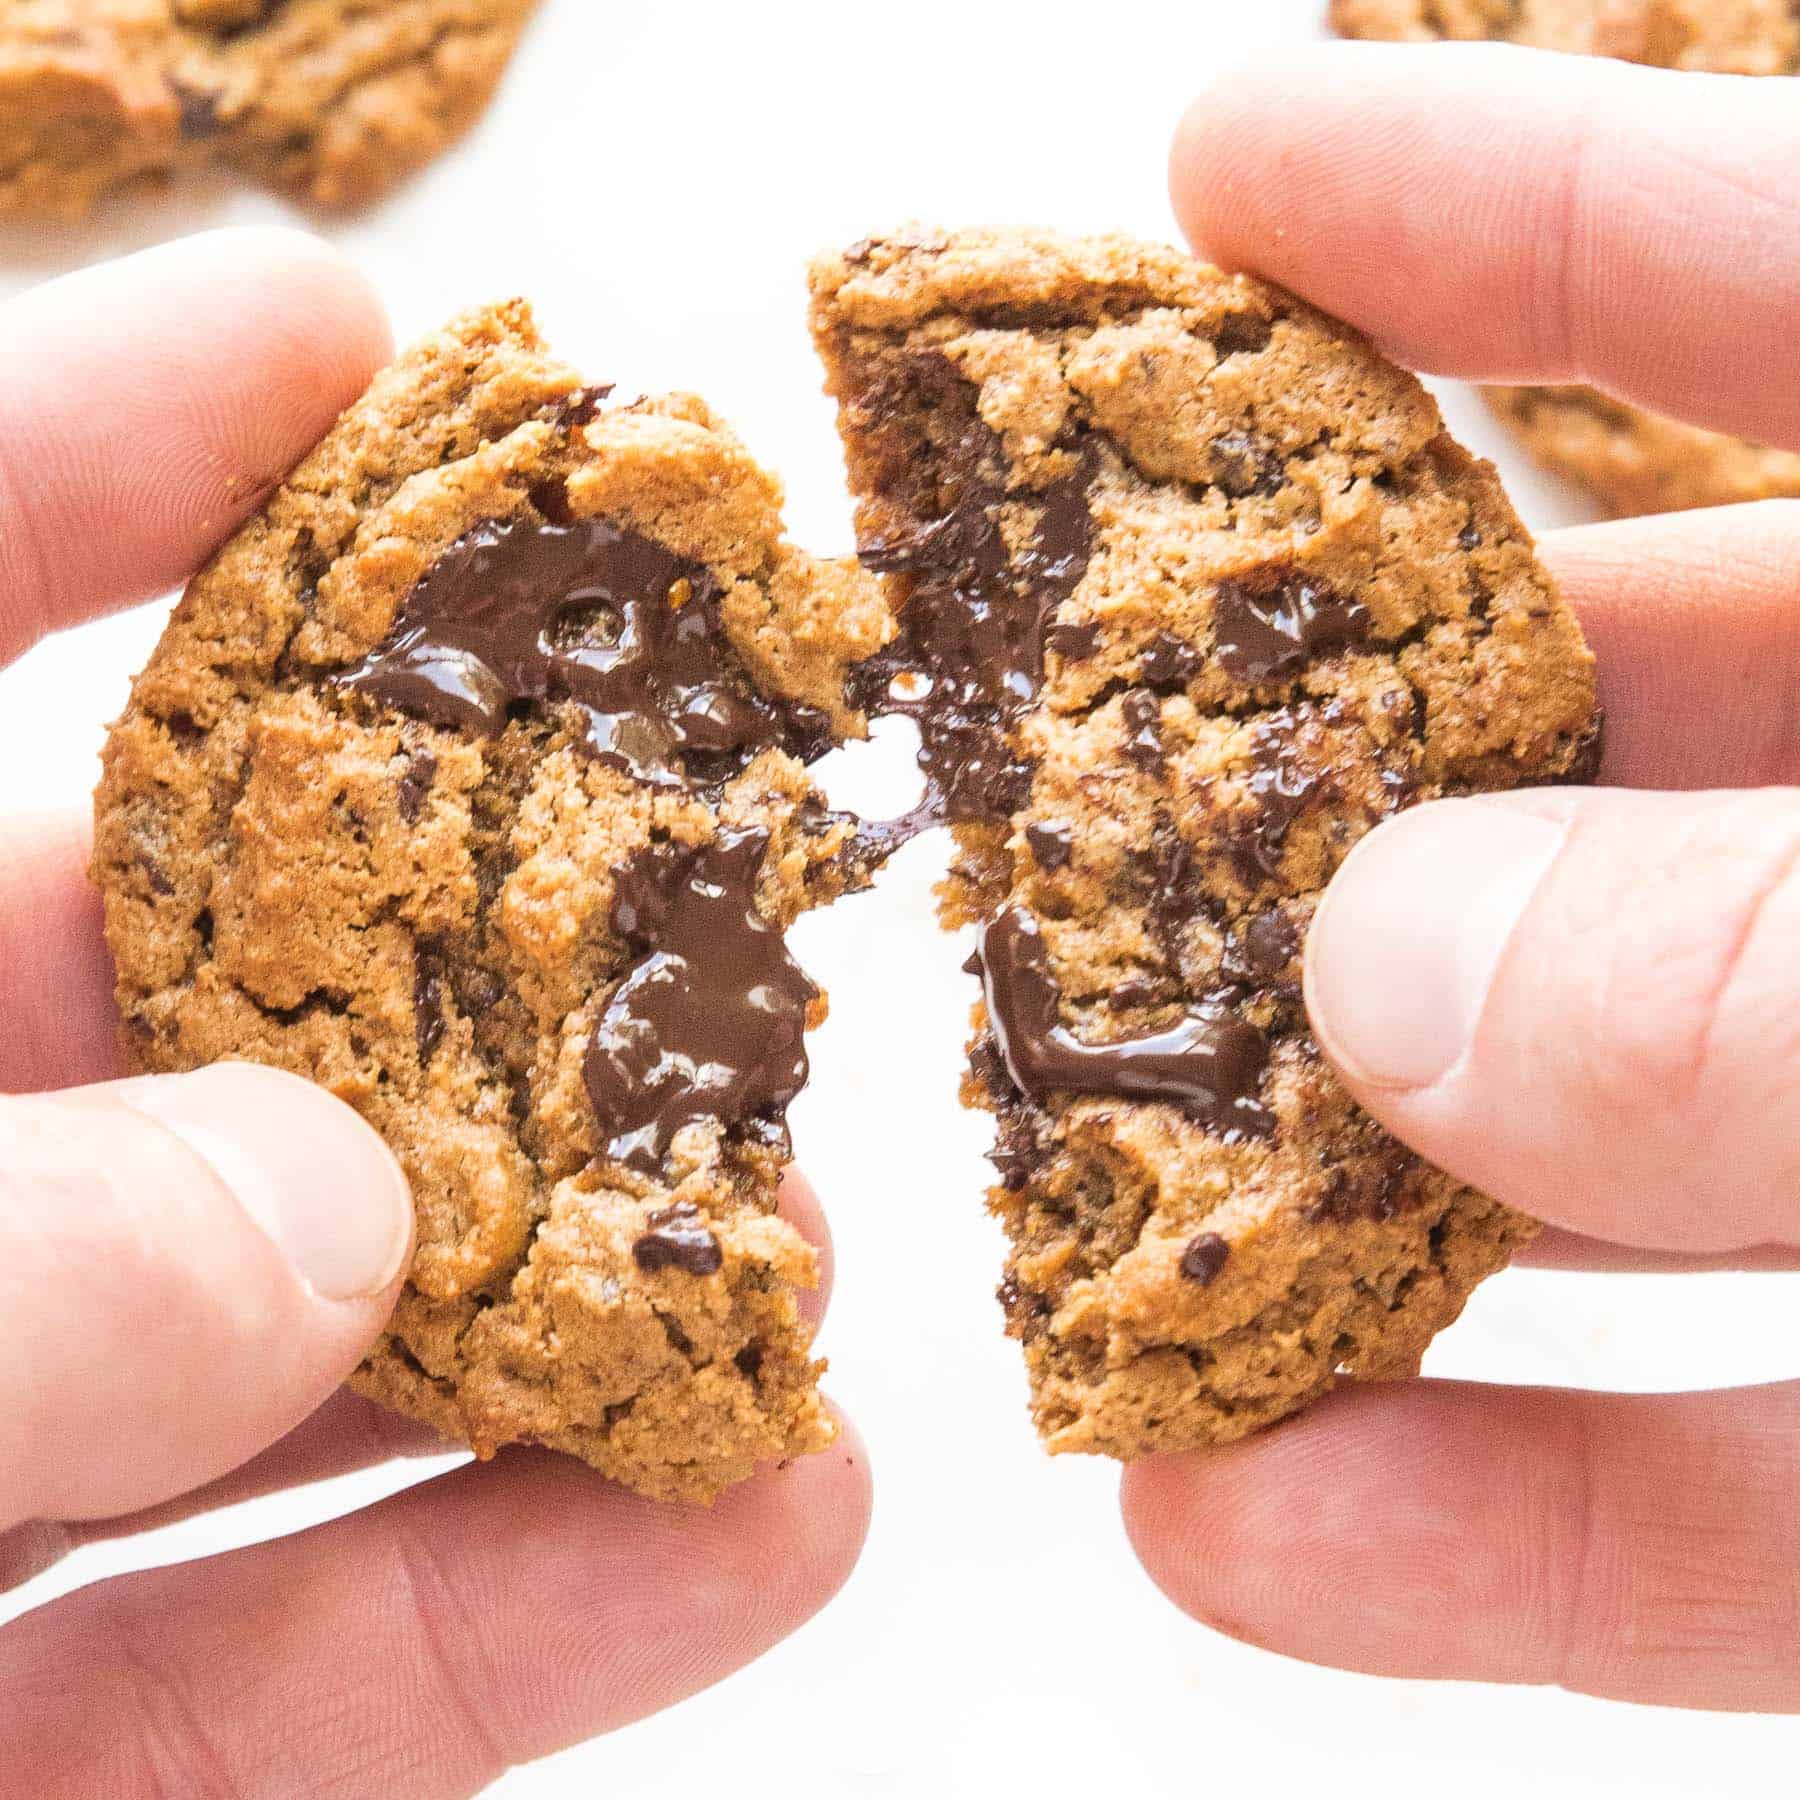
(469, 780)
(1193, 590)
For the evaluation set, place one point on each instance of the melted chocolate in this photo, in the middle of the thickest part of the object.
(1210, 1064)
(969, 655)
(1271, 626)
(586, 612)
(711, 1024)
(1285, 784)
(678, 1238)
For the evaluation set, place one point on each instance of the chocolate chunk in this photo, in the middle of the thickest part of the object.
(1243, 466)
(1271, 626)
(1204, 1257)
(1073, 642)
(428, 1002)
(585, 612)
(1051, 845)
(1210, 1064)
(415, 784)
(1241, 334)
(1169, 662)
(1284, 784)
(972, 637)
(160, 884)
(678, 1238)
(749, 1361)
(711, 1024)
(1269, 944)
(1142, 713)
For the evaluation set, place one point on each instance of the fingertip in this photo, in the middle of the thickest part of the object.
(798, 1202)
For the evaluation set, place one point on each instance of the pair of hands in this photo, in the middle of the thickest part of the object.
(1585, 1005)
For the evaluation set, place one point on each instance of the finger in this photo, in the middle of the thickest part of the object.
(1695, 622)
(1642, 1548)
(56, 985)
(430, 1642)
(189, 1265)
(56, 979)
(1513, 216)
(346, 1434)
(150, 405)
(1584, 1002)
(798, 1203)
(1554, 1249)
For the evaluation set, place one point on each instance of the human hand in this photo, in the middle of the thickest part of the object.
(1585, 1002)
(190, 1265)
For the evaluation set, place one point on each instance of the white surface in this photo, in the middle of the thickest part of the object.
(654, 179)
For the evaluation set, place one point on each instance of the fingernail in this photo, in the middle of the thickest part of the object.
(318, 1181)
(1407, 939)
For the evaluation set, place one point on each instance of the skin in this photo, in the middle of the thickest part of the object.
(1607, 1032)
(421, 1646)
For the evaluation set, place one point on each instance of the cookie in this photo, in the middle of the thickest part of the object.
(332, 101)
(1193, 589)
(1638, 462)
(1729, 37)
(469, 780)
(1631, 460)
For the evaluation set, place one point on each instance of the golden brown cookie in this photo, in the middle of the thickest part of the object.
(332, 101)
(1637, 462)
(1193, 589)
(469, 781)
(1633, 461)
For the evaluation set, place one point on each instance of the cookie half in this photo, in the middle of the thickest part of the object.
(332, 101)
(469, 780)
(1631, 460)
(1193, 590)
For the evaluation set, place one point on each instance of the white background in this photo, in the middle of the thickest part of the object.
(654, 177)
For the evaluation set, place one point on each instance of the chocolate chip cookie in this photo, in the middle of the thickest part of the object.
(331, 101)
(1631, 460)
(1192, 590)
(470, 781)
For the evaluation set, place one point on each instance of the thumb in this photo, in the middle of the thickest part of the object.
(1585, 1003)
(189, 1264)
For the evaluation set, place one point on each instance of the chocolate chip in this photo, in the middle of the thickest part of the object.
(1210, 1063)
(1271, 625)
(1204, 1257)
(415, 784)
(197, 112)
(749, 1361)
(1242, 334)
(1169, 662)
(1270, 944)
(1073, 642)
(711, 1023)
(1243, 466)
(428, 1002)
(1142, 715)
(678, 1238)
(1052, 845)
(1469, 538)
(479, 636)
